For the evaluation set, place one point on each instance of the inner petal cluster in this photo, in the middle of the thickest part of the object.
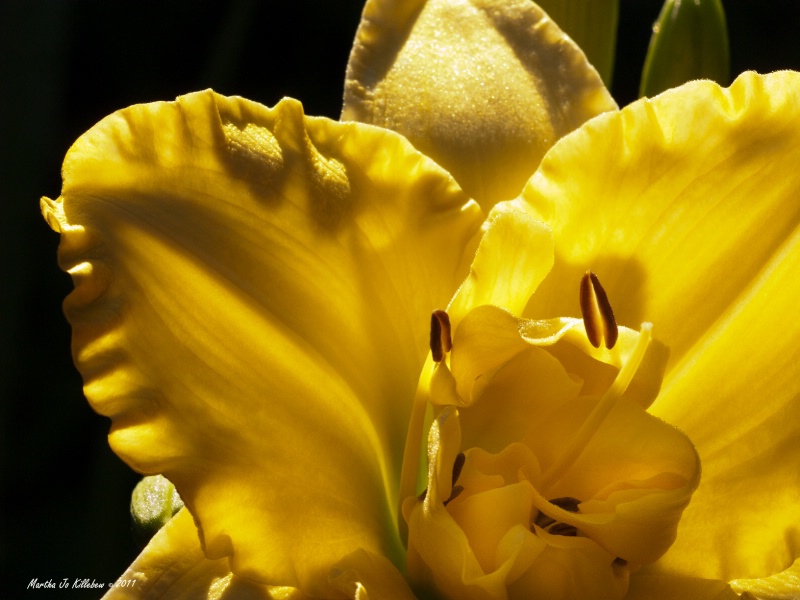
(546, 475)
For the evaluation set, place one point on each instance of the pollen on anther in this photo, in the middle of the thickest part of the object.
(441, 341)
(598, 316)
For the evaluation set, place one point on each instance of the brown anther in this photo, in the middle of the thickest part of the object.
(441, 341)
(598, 317)
(458, 464)
(567, 503)
(454, 494)
(619, 562)
(542, 520)
(563, 529)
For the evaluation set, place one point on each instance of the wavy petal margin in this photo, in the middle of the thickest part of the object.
(253, 291)
(484, 87)
(686, 207)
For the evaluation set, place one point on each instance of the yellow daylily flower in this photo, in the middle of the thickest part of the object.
(253, 295)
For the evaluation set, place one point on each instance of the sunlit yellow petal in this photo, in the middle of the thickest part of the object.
(489, 337)
(483, 87)
(687, 209)
(747, 365)
(514, 255)
(634, 478)
(252, 294)
(781, 586)
(652, 584)
(172, 567)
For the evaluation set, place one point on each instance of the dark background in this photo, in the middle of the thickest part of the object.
(63, 66)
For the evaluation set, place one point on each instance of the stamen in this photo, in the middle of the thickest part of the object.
(601, 409)
(598, 317)
(454, 494)
(567, 503)
(441, 341)
(413, 447)
(457, 466)
(543, 520)
(563, 529)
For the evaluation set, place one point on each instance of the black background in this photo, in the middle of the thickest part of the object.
(64, 64)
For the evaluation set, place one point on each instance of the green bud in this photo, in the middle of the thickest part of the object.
(591, 25)
(153, 503)
(690, 41)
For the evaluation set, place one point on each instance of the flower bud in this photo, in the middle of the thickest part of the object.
(153, 503)
(689, 41)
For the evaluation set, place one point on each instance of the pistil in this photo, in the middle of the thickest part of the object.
(601, 409)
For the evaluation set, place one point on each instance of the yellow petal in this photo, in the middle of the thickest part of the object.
(172, 567)
(571, 567)
(439, 554)
(686, 207)
(736, 395)
(483, 87)
(651, 584)
(487, 517)
(511, 412)
(365, 576)
(514, 255)
(672, 202)
(253, 290)
(781, 586)
(489, 337)
(633, 478)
